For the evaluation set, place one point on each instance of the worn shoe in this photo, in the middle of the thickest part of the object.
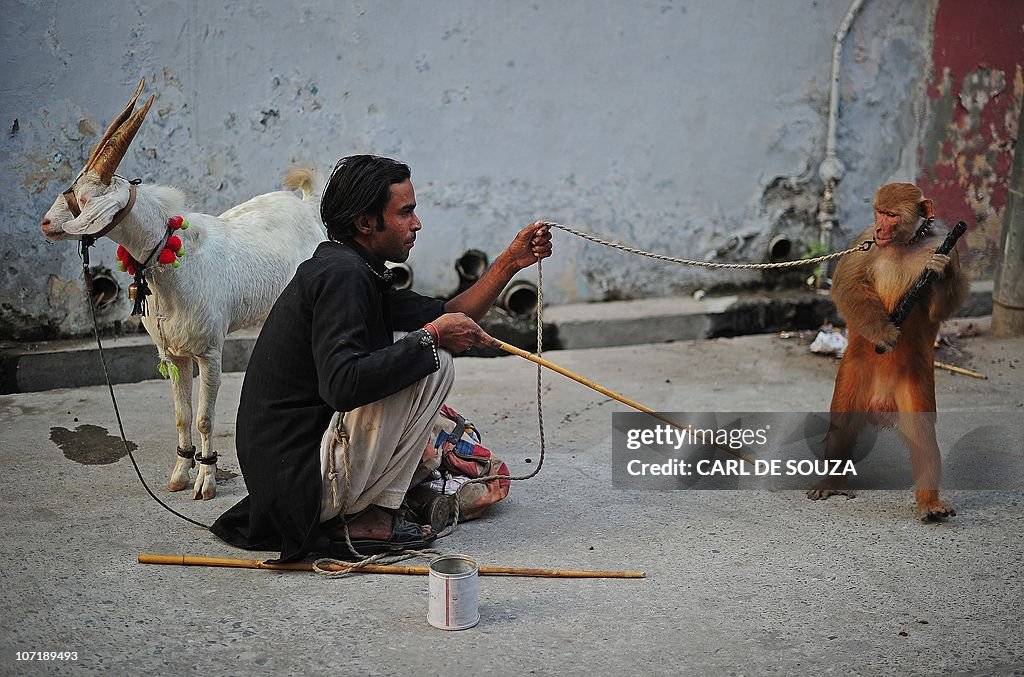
(405, 535)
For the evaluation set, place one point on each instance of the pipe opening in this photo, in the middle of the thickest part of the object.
(401, 275)
(519, 299)
(779, 248)
(105, 289)
(471, 265)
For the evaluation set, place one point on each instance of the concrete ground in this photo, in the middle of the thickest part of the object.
(738, 582)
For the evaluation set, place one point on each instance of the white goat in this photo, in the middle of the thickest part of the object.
(233, 268)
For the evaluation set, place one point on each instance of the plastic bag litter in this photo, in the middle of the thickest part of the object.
(829, 341)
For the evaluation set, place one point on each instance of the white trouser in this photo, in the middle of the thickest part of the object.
(386, 440)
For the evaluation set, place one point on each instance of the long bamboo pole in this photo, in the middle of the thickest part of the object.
(959, 370)
(536, 359)
(188, 560)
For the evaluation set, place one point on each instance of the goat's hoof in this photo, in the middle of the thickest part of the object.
(205, 487)
(205, 493)
(177, 485)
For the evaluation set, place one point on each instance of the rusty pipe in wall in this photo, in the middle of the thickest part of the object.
(402, 275)
(779, 248)
(471, 265)
(519, 298)
(105, 289)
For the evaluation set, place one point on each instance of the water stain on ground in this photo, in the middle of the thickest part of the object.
(90, 445)
(11, 409)
(225, 476)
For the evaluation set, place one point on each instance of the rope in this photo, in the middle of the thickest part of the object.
(344, 568)
(106, 374)
(393, 557)
(540, 414)
(348, 568)
(165, 362)
(862, 247)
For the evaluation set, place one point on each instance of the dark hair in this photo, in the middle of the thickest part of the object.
(359, 184)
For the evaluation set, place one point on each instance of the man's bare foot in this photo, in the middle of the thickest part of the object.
(375, 523)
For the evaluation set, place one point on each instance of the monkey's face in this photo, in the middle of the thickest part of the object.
(887, 226)
(898, 206)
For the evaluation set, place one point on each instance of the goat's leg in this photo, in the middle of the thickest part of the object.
(182, 391)
(209, 383)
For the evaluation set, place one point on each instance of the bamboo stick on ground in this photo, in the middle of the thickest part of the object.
(188, 560)
(536, 359)
(959, 370)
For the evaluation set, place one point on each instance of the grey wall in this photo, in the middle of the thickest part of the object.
(689, 128)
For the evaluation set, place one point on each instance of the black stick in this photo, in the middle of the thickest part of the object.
(908, 301)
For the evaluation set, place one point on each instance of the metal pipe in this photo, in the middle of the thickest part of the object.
(104, 290)
(779, 248)
(831, 169)
(832, 165)
(519, 299)
(471, 265)
(402, 275)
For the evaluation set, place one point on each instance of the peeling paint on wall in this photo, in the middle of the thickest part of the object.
(969, 137)
(43, 167)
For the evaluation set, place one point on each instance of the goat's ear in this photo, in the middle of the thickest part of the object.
(100, 210)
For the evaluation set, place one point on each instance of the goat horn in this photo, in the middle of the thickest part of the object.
(115, 148)
(118, 121)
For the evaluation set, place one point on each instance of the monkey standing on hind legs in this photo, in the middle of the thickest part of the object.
(896, 388)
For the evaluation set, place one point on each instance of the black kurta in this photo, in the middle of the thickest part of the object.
(326, 346)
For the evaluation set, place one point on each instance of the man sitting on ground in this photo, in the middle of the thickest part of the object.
(344, 361)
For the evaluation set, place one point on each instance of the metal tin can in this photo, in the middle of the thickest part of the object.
(453, 603)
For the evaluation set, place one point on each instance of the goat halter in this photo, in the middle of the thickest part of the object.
(76, 209)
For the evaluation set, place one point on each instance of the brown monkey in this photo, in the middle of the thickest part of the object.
(896, 388)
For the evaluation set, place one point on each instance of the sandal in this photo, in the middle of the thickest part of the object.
(405, 535)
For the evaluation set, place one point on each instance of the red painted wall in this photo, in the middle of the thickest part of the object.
(974, 100)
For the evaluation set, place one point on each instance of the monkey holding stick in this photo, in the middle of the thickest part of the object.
(897, 387)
